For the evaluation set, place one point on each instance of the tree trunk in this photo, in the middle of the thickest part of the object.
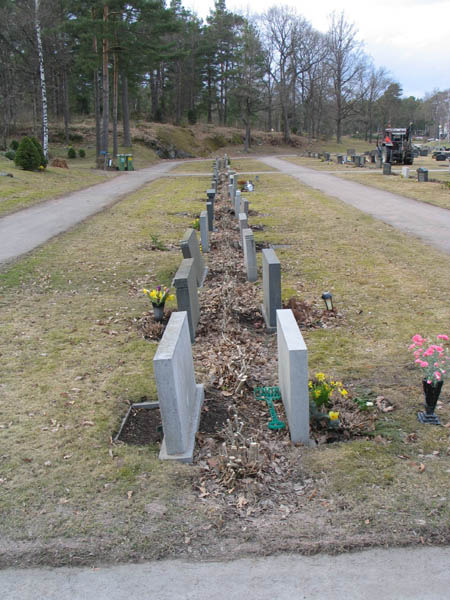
(105, 85)
(115, 104)
(66, 112)
(125, 113)
(42, 78)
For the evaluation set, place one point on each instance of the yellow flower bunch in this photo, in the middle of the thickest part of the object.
(321, 390)
(159, 295)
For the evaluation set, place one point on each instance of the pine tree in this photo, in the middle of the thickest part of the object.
(27, 155)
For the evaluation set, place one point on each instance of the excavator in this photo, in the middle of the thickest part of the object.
(395, 145)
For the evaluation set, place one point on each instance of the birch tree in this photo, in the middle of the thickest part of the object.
(37, 27)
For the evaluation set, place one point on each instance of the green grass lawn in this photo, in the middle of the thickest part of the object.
(73, 360)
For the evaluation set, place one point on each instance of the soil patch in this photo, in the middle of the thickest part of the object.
(142, 427)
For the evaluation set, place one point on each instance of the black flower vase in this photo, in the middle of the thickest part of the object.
(158, 312)
(431, 393)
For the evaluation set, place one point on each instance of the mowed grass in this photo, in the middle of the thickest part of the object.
(73, 360)
(239, 165)
(27, 188)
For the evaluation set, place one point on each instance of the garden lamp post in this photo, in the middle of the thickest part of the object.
(328, 299)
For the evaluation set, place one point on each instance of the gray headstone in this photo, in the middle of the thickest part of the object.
(237, 203)
(293, 375)
(191, 249)
(185, 286)
(210, 212)
(204, 238)
(386, 168)
(250, 255)
(230, 192)
(378, 162)
(244, 206)
(211, 193)
(243, 224)
(271, 287)
(405, 172)
(340, 159)
(180, 398)
(422, 175)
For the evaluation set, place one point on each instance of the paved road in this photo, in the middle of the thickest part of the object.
(430, 223)
(395, 574)
(27, 229)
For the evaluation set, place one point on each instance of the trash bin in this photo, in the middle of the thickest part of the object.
(129, 166)
(121, 162)
(422, 174)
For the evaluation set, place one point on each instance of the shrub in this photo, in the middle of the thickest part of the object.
(27, 155)
(75, 137)
(81, 153)
(36, 142)
(192, 116)
(71, 152)
(14, 145)
(10, 154)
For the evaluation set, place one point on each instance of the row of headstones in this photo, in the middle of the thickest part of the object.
(180, 397)
(422, 174)
(359, 160)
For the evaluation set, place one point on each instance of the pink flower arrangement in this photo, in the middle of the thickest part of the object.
(437, 357)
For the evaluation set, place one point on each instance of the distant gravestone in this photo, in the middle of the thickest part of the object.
(185, 285)
(180, 398)
(204, 238)
(210, 213)
(244, 206)
(422, 175)
(243, 224)
(378, 162)
(405, 172)
(237, 203)
(250, 255)
(271, 287)
(340, 159)
(230, 192)
(387, 168)
(191, 249)
(293, 375)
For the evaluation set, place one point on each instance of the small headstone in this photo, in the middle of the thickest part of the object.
(244, 206)
(237, 203)
(387, 168)
(422, 175)
(340, 159)
(185, 286)
(271, 287)
(250, 255)
(293, 375)
(210, 212)
(180, 397)
(378, 162)
(230, 192)
(204, 238)
(211, 193)
(191, 249)
(243, 224)
(327, 156)
(405, 172)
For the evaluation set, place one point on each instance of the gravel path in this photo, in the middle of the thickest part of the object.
(430, 223)
(394, 574)
(25, 230)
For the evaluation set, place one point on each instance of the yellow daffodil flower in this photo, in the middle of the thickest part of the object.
(334, 416)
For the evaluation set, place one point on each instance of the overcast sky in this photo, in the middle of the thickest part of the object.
(410, 38)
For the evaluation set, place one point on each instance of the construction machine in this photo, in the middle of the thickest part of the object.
(395, 146)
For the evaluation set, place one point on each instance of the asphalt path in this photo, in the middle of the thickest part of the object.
(395, 574)
(430, 223)
(25, 230)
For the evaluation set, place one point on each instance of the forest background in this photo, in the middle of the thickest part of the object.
(145, 60)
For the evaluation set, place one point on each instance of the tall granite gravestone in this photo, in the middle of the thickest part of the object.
(191, 249)
(293, 375)
(271, 287)
(250, 255)
(237, 202)
(210, 212)
(204, 238)
(243, 224)
(244, 206)
(180, 398)
(185, 285)
(230, 193)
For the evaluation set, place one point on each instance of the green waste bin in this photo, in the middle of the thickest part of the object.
(122, 162)
(130, 166)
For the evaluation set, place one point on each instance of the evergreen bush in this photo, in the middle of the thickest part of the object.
(81, 153)
(10, 154)
(14, 145)
(38, 145)
(27, 155)
(71, 152)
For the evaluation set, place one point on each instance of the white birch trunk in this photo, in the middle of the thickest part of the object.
(37, 27)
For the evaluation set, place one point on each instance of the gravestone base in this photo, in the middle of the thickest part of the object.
(187, 456)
